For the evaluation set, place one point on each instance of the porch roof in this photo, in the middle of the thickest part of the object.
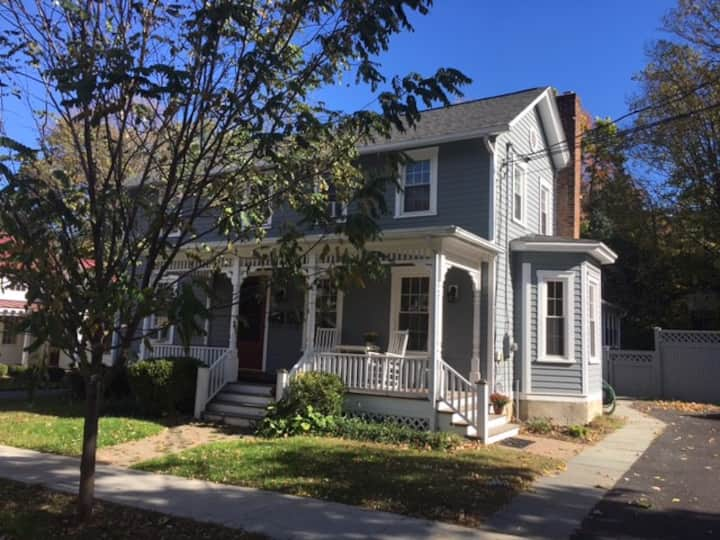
(559, 244)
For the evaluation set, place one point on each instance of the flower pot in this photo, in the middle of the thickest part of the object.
(498, 409)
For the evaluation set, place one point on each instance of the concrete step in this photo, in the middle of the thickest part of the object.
(244, 399)
(225, 407)
(499, 433)
(254, 389)
(230, 419)
(494, 420)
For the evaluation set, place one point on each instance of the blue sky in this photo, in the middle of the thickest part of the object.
(592, 47)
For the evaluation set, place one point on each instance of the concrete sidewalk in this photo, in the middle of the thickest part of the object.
(554, 508)
(557, 505)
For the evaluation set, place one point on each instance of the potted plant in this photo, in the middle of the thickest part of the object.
(370, 339)
(499, 401)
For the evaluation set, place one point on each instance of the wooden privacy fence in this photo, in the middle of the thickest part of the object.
(684, 364)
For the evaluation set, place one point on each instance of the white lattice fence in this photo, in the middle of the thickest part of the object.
(685, 364)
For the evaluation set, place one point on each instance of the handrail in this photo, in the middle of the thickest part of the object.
(207, 355)
(458, 393)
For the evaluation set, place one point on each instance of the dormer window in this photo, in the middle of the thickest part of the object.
(417, 195)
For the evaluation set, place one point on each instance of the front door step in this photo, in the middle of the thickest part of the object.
(240, 404)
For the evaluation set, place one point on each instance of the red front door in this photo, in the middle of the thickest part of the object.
(251, 324)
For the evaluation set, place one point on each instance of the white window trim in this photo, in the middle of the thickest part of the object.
(523, 188)
(399, 272)
(544, 186)
(595, 359)
(418, 155)
(568, 277)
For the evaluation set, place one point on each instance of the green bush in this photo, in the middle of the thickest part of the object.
(55, 374)
(308, 422)
(541, 426)
(163, 386)
(323, 392)
(390, 432)
(17, 370)
(577, 431)
(3, 370)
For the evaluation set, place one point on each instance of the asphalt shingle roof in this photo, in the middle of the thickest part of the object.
(486, 115)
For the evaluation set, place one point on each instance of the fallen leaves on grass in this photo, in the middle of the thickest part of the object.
(689, 407)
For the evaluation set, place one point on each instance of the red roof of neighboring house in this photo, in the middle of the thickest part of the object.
(12, 307)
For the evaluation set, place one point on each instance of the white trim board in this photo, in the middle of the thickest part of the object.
(561, 398)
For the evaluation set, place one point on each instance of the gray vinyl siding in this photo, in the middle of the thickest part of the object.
(540, 169)
(458, 322)
(284, 338)
(367, 310)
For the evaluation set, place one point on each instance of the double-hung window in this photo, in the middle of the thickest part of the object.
(544, 210)
(410, 306)
(518, 192)
(555, 316)
(8, 334)
(594, 335)
(336, 209)
(328, 305)
(417, 195)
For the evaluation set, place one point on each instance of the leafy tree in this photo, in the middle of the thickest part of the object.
(676, 140)
(179, 122)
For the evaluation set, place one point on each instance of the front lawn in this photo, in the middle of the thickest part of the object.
(56, 425)
(31, 512)
(462, 487)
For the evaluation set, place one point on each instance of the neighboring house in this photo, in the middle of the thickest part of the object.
(485, 273)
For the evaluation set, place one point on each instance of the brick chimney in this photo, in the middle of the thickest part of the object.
(568, 203)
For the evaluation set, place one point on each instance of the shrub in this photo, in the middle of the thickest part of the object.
(163, 386)
(308, 422)
(323, 392)
(541, 426)
(577, 431)
(17, 370)
(390, 432)
(55, 374)
(3, 370)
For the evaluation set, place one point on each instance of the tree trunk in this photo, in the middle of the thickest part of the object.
(90, 432)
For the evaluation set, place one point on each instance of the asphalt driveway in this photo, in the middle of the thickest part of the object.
(672, 491)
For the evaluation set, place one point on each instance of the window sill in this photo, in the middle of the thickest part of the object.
(555, 360)
(424, 213)
(518, 221)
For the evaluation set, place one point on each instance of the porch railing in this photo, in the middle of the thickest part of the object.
(375, 372)
(206, 355)
(467, 400)
(211, 378)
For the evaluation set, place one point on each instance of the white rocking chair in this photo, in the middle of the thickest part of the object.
(326, 339)
(395, 359)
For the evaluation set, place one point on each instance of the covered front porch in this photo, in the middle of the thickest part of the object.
(437, 290)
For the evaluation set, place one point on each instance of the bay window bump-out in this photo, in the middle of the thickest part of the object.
(555, 316)
(417, 195)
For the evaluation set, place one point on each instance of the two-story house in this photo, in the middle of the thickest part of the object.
(487, 289)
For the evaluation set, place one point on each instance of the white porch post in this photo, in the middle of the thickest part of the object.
(310, 305)
(437, 279)
(237, 277)
(475, 374)
(145, 329)
(491, 313)
(25, 358)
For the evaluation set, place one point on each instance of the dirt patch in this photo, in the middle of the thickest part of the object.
(590, 433)
(545, 446)
(689, 407)
(171, 440)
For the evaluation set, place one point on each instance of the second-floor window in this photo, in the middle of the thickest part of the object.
(335, 209)
(544, 210)
(8, 334)
(518, 192)
(418, 182)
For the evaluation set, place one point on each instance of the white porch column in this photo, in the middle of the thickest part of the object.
(491, 314)
(237, 278)
(25, 358)
(437, 280)
(310, 305)
(145, 329)
(475, 374)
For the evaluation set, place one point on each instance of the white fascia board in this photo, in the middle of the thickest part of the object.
(391, 146)
(597, 250)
